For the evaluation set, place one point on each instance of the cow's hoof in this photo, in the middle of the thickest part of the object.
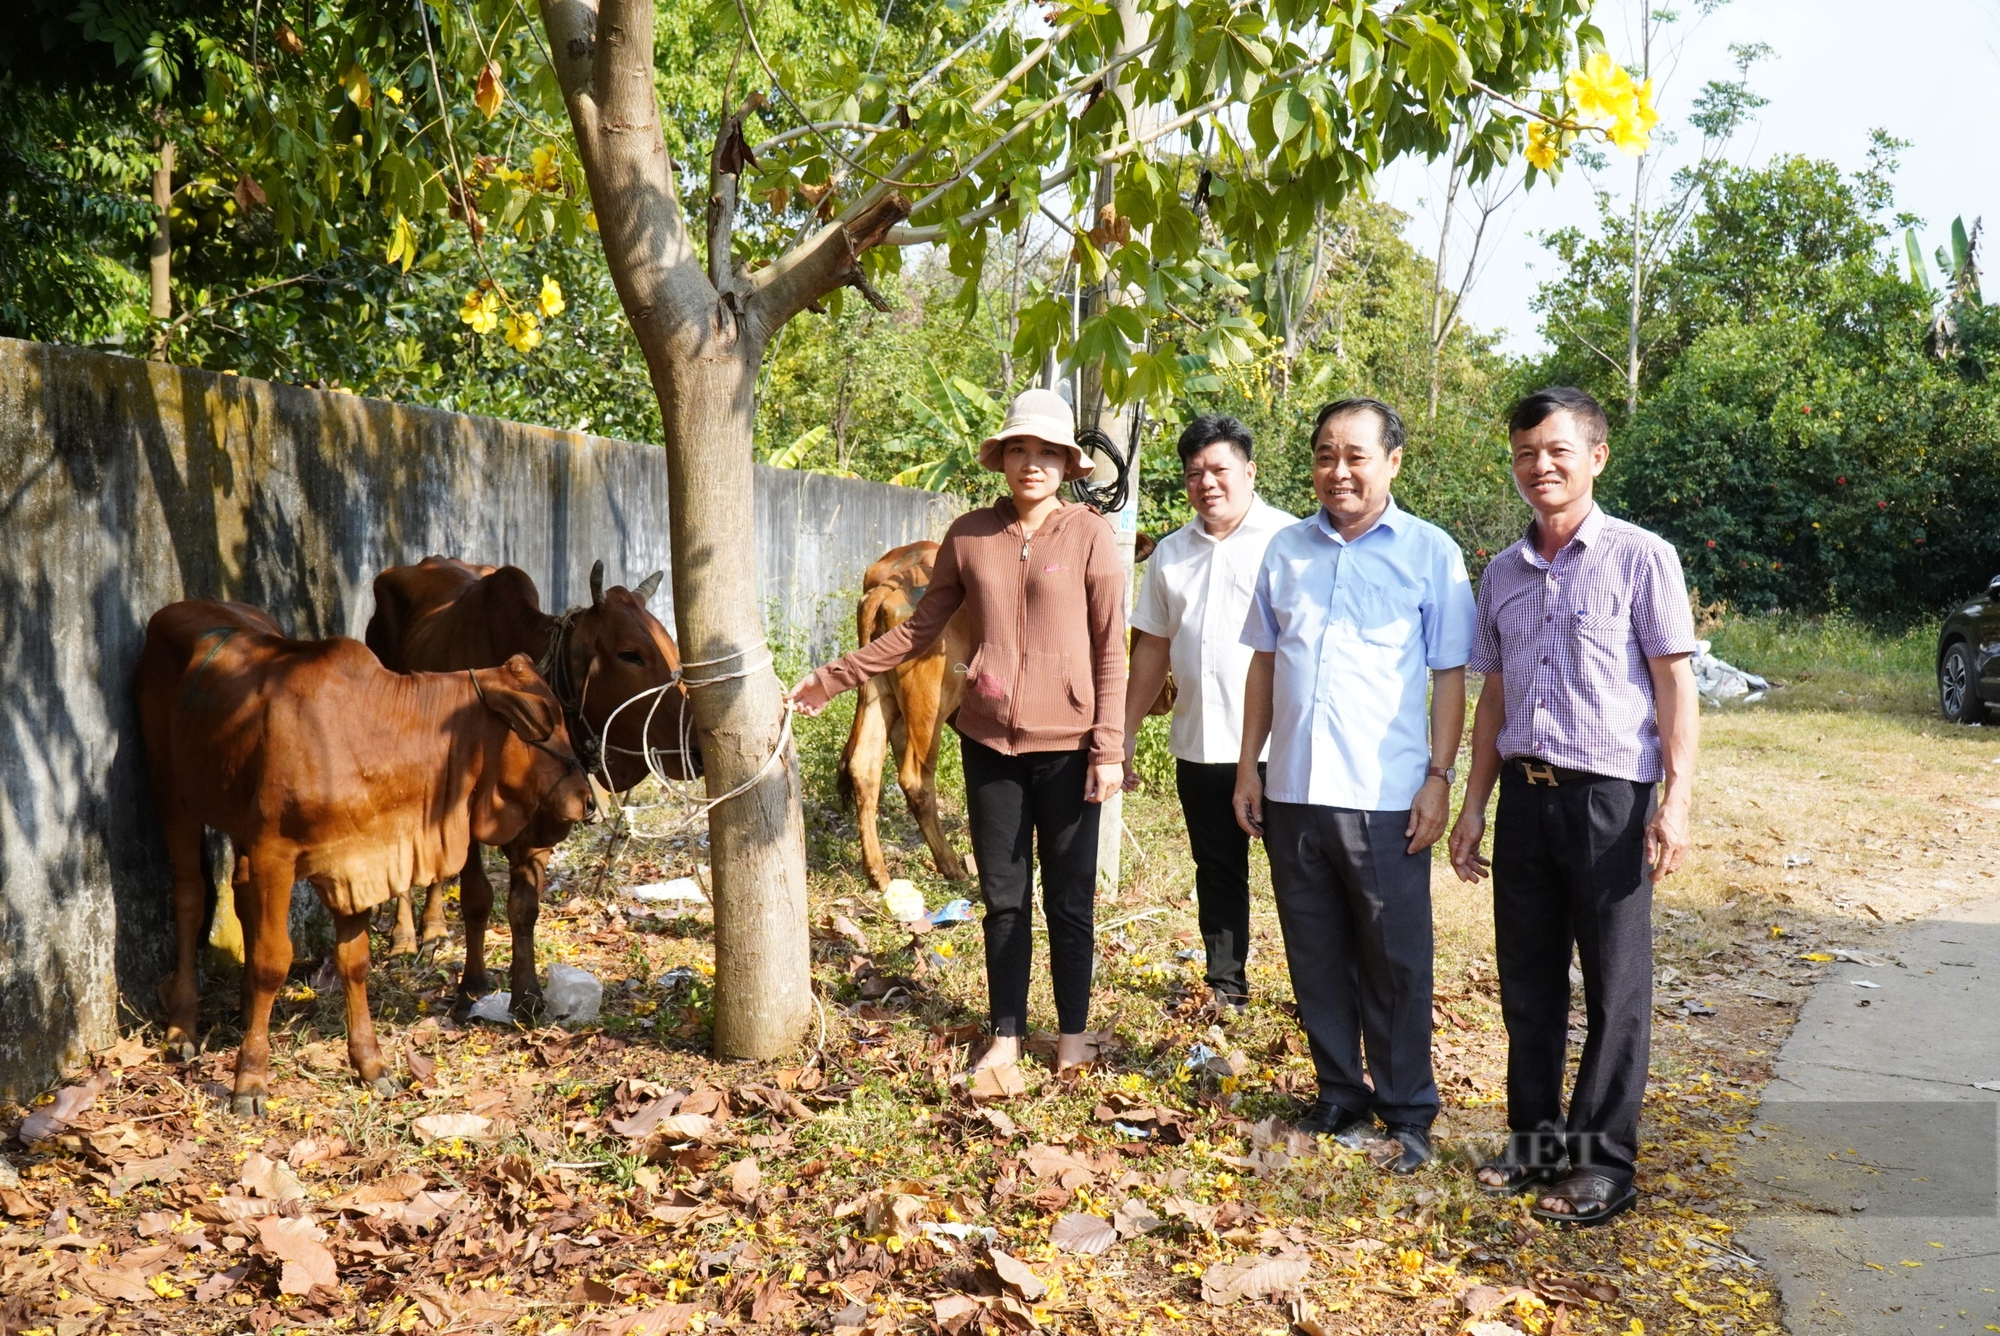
(430, 948)
(248, 1106)
(182, 1050)
(402, 946)
(385, 1086)
(528, 1007)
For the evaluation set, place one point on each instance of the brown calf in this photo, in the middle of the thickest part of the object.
(320, 765)
(444, 614)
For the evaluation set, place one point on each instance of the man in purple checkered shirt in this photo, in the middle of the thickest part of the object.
(1588, 722)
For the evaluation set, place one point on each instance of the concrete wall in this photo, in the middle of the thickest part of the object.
(126, 485)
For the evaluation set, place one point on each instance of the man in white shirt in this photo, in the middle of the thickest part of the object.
(1190, 617)
(1357, 611)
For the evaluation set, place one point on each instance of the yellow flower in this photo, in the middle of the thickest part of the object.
(547, 164)
(1601, 89)
(481, 310)
(394, 94)
(523, 332)
(1632, 128)
(590, 220)
(1544, 146)
(551, 300)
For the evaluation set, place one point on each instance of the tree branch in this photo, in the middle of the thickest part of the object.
(725, 168)
(917, 236)
(826, 261)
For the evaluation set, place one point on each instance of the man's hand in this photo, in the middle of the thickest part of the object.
(1249, 801)
(1104, 780)
(1132, 780)
(810, 696)
(1466, 834)
(1667, 839)
(1428, 813)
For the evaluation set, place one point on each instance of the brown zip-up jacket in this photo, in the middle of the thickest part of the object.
(1048, 661)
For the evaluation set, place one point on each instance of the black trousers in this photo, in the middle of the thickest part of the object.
(1221, 870)
(1355, 907)
(1569, 869)
(1019, 806)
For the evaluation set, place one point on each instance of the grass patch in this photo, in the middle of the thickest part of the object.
(1833, 662)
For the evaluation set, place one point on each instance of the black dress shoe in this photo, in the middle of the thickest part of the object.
(1415, 1140)
(1330, 1120)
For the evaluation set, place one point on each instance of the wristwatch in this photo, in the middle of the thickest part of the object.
(1447, 773)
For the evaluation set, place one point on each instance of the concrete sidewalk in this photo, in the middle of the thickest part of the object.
(1879, 1156)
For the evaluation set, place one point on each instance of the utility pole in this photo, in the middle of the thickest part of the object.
(1093, 412)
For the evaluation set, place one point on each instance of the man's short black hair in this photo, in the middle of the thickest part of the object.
(1538, 407)
(1393, 434)
(1209, 428)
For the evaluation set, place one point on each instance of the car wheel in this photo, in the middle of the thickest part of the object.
(1958, 693)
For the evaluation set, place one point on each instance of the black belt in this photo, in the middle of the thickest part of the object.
(1555, 776)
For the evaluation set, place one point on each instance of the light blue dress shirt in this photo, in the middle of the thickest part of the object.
(1357, 627)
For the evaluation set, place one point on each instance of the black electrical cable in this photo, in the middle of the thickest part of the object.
(1110, 497)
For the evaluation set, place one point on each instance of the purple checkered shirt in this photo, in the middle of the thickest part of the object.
(1571, 638)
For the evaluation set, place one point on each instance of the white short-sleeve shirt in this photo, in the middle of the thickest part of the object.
(1196, 595)
(1356, 629)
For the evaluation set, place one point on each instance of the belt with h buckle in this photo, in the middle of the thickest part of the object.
(1541, 772)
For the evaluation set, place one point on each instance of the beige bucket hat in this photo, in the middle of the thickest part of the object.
(1046, 416)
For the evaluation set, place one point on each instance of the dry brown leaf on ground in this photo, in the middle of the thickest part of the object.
(745, 1177)
(297, 1244)
(131, 1051)
(1134, 1218)
(641, 1124)
(1015, 1274)
(313, 1150)
(219, 1284)
(1254, 1278)
(1088, 1235)
(152, 1224)
(1482, 1299)
(896, 1213)
(119, 1287)
(224, 1210)
(382, 1192)
(1575, 1289)
(59, 1113)
(992, 1083)
(444, 1126)
(264, 1177)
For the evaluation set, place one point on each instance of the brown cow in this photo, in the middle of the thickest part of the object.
(321, 765)
(912, 703)
(443, 615)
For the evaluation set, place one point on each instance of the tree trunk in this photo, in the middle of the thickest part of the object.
(159, 251)
(763, 981)
(703, 344)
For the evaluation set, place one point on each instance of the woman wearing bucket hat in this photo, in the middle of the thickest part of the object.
(1040, 725)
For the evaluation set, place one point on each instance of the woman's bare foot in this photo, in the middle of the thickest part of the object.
(1004, 1051)
(1493, 1176)
(1073, 1050)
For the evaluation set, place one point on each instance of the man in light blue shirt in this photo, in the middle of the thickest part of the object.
(1357, 611)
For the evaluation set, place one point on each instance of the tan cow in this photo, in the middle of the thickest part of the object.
(906, 710)
(321, 765)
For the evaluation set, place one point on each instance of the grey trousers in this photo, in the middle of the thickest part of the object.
(1355, 907)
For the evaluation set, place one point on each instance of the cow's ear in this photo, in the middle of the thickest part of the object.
(649, 586)
(597, 583)
(529, 713)
(533, 717)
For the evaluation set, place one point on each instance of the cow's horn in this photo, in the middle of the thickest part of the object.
(649, 586)
(597, 583)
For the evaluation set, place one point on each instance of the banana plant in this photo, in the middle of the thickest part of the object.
(956, 418)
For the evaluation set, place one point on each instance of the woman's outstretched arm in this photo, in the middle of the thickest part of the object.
(941, 599)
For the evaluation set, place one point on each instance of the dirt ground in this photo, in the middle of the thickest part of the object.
(617, 1180)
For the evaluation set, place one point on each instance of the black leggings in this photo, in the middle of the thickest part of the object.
(1013, 803)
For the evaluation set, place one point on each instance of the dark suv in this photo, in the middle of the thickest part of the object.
(1968, 662)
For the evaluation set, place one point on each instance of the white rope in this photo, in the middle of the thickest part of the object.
(693, 812)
